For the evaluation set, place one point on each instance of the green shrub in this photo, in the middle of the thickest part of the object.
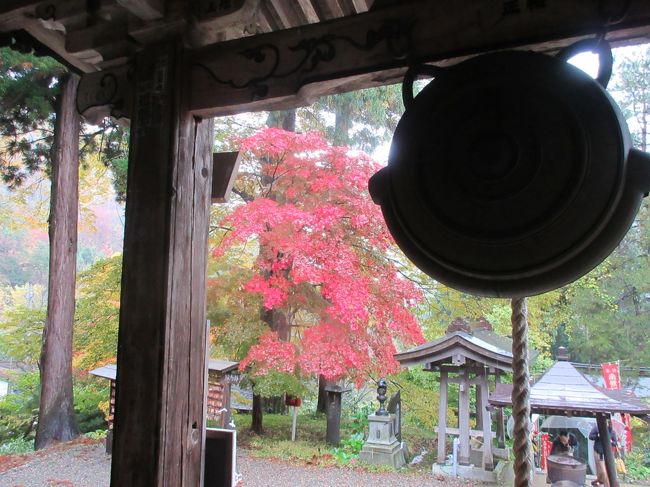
(276, 384)
(350, 448)
(359, 417)
(88, 395)
(96, 435)
(19, 409)
(638, 464)
(17, 446)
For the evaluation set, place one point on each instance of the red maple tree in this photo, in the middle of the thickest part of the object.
(325, 253)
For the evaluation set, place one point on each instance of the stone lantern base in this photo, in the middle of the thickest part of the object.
(382, 447)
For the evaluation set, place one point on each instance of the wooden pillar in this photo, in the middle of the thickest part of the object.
(159, 421)
(333, 411)
(501, 430)
(488, 459)
(463, 418)
(442, 418)
(605, 439)
(479, 407)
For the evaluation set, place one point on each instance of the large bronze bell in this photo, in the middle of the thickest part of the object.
(511, 174)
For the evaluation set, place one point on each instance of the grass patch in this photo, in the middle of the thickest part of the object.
(17, 446)
(310, 447)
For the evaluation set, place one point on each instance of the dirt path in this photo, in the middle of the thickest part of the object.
(86, 465)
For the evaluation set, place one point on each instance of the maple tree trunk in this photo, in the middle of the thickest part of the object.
(275, 319)
(341, 136)
(258, 416)
(57, 420)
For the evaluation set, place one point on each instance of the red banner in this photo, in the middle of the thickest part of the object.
(546, 449)
(611, 375)
(627, 421)
(612, 378)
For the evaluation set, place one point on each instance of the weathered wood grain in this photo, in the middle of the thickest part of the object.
(288, 68)
(161, 350)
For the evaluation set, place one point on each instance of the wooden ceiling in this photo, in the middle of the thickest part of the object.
(249, 55)
(90, 35)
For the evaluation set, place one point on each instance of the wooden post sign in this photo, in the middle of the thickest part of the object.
(295, 402)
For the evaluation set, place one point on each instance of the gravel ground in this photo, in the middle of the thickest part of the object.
(83, 465)
(78, 465)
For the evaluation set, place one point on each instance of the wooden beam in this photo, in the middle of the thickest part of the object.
(360, 5)
(217, 18)
(308, 11)
(472, 432)
(96, 36)
(56, 42)
(292, 67)
(145, 9)
(159, 422)
(334, 8)
(283, 13)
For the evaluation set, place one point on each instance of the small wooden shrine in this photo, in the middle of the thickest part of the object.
(109, 372)
(221, 375)
(470, 355)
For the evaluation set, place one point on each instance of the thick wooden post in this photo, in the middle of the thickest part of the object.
(333, 411)
(159, 421)
(479, 407)
(463, 418)
(501, 430)
(442, 419)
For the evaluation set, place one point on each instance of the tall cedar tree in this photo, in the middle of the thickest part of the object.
(39, 131)
(326, 260)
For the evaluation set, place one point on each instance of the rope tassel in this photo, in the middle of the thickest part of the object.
(521, 394)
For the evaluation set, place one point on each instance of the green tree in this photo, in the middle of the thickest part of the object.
(40, 130)
(609, 307)
(363, 119)
(97, 314)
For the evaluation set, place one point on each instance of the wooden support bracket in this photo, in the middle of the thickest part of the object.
(224, 172)
(105, 93)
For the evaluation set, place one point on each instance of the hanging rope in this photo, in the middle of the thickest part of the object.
(521, 393)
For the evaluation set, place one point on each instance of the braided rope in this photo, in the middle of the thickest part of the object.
(520, 394)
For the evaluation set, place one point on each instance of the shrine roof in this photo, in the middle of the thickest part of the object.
(223, 366)
(109, 371)
(562, 390)
(481, 347)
